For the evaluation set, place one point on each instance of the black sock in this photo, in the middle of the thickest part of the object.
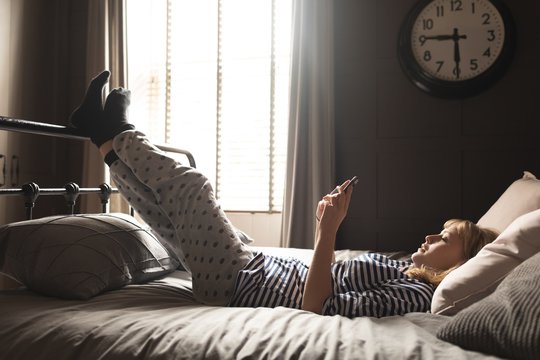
(115, 117)
(99, 122)
(110, 158)
(91, 109)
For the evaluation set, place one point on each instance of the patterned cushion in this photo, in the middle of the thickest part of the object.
(79, 256)
(506, 323)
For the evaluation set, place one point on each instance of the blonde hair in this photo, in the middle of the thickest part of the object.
(474, 238)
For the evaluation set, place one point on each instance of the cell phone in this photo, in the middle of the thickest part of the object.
(354, 181)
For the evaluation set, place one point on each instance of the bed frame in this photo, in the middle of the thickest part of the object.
(71, 191)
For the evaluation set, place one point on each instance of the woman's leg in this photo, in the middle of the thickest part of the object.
(176, 201)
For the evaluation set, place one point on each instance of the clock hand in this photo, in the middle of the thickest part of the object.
(457, 57)
(454, 37)
(439, 37)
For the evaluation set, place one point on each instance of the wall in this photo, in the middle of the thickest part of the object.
(41, 41)
(421, 159)
(264, 228)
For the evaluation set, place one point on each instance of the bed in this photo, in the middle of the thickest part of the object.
(151, 314)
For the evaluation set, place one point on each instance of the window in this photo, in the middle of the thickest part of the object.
(212, 76)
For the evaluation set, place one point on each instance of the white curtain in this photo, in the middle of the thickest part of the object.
(311, 150)
(106, 49)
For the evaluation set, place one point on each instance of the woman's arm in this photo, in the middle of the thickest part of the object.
(318, 215)
(319, 281)
(332, 209)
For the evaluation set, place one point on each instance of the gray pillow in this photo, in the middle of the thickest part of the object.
(80, 256)
(506, 323)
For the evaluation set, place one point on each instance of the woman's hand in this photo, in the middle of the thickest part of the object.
(333, 208)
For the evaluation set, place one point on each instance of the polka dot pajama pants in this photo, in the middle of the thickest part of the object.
(178, 204)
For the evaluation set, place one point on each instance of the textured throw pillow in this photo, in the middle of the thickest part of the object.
(521, 197)
(506, 323)
(79, 256)
(479, 276)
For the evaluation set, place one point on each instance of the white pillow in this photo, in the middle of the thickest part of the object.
(479, 276)
(521, 197)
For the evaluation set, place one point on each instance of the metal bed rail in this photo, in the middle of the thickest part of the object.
(34, 127)
(31, 192)
(71, 191)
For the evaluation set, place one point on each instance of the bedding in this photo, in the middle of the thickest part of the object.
(160, 320)
(80, 256)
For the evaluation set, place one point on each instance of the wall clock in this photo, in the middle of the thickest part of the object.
(456, 48)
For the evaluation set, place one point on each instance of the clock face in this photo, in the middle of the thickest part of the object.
(456, 40)
(456, 48)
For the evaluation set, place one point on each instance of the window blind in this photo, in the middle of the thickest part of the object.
(213, 77)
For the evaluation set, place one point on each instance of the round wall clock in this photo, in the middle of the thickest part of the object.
(456, 48)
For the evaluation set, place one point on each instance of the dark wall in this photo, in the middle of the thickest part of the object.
(422, 159)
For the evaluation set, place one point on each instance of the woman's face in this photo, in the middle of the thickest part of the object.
(441, 251)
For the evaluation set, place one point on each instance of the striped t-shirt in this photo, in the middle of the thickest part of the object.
(368, 285)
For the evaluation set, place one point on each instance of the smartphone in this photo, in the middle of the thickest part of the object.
(353, 182)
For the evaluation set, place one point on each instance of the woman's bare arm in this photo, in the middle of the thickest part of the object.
(318, 215)
(332, 210)
(319, 282)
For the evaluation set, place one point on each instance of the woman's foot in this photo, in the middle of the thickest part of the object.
(116, 107)
(115, 117)
(84, 117)
(102, 123)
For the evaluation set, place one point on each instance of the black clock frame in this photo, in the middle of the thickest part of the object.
(455, 89)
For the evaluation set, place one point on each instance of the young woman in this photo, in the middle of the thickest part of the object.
(178, 203)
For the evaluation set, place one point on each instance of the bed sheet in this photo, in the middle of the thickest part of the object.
(160, 320)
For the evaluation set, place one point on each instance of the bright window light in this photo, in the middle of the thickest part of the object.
(212, 77)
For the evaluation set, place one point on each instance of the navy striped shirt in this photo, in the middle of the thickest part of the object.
(368, 285)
